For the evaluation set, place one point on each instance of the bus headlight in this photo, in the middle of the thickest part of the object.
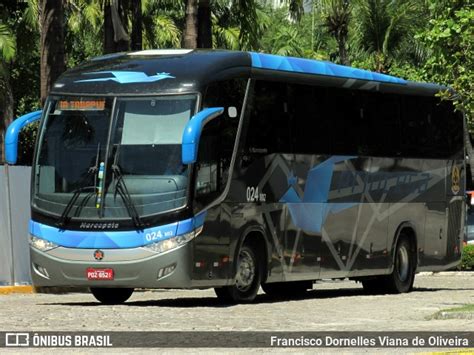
(41, 244)
(173, 243)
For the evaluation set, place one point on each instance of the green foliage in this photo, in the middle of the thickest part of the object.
(420, 40)
(7, 43)
(305, 38)
(450, 38)
(163, 22)
(467, 262)
(384, 30)
(26, 147)
(238, 24)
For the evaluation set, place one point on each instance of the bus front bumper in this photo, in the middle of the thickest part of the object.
(136, 267)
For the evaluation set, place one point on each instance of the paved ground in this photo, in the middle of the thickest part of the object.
(338, 306)
(330, 305)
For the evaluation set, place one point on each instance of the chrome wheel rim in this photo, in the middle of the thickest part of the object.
(403, 263)
(245, 271)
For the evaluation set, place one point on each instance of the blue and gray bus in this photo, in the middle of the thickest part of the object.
(235, 170)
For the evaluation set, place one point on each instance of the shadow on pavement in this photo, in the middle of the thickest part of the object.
(195, 302)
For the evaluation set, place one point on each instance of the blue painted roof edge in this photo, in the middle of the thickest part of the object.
(317, 67)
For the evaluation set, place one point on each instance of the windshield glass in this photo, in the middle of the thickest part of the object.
(143, 143)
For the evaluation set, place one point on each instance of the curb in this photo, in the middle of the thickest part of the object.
(446, 273)
(28, 289)
(7, 290)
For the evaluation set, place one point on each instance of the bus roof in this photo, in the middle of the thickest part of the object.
(185, 70)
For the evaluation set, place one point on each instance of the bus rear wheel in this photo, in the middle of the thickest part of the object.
(111, 296)
(403, 275)
(247, 278)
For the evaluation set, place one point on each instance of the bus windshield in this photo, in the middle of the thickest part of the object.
(93, 149)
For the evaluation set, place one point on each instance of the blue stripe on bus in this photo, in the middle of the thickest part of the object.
(309, 66)
(114, 239)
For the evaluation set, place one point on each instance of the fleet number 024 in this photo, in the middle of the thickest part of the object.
(253, 195)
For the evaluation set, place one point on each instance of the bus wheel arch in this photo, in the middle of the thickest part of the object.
(250, 269)
(408, 231)
(255, 236)
(404, 260)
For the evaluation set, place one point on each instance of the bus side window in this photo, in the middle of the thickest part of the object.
(417, 129)
(311, 124)
(217, 141)
(268, 129)
(207, 166)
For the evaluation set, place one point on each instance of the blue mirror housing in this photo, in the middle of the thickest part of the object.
(13, 132)
(192, 133)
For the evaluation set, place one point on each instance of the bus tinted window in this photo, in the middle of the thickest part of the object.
(218, 138)
(304, 119)
(269, 128)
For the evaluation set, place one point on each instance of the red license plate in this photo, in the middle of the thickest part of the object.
(100, 274)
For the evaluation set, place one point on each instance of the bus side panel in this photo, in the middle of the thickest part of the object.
(456, 187)
(211, 265)
(444, 216)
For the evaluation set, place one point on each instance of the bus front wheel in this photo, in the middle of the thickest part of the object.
(247, 278)
(111, 296)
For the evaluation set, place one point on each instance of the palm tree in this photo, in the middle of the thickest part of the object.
(7, 54)
(190, 34)
(162, 20)
(287, 42)
(385, 29)
(160, 31)
(242, 17)
(336, 15)
(51, 44)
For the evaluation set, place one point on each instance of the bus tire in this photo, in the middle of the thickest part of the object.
(403, 275)
(111, 296)
(287, 289)
(247, 279)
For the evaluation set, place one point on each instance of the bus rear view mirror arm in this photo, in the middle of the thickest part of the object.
(13, 133)
(192, 133)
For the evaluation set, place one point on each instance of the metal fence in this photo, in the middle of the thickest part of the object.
(14, 219)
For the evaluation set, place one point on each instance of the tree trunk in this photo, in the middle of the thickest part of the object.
(6, 109)
(109, 44)
(470, 154)
(343, 57)
(51, 45)
(204, 25)
(136, 42)
(116, 38)
(190, 27)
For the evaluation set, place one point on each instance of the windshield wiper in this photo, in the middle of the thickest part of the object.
(64, 219)
(122, 190)
(92, 171)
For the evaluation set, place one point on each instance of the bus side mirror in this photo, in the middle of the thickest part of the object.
(192, 133)
(13, 132)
